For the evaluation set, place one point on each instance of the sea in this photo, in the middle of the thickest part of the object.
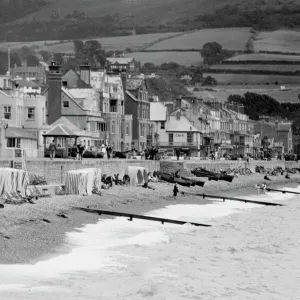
(250, 252)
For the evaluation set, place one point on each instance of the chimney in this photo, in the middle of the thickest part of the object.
(170, 108)
(178, 102)
(54, 93)
(85, 73)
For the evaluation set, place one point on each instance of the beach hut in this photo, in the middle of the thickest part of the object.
(138, 175)
(67, 139)
(83, 182)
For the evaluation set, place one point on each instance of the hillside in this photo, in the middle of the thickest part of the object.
(53, 19)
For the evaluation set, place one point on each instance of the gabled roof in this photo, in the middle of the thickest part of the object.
(119, 60)
(27, 83)
(181, 125)
(60, 130)
(14, 132)
(67, 123)
(131, 96)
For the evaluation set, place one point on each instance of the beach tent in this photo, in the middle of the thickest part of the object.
(83, 182)
(13, 180)
(138, 175)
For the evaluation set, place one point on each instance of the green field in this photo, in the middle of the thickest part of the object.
(279, 40)
(158, 58)
(262, 56)
(134, 42)
(253, 79)
(260, 67)
(229, 38)
(289, 95)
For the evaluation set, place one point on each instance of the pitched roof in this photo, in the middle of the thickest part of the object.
(77, 93)
(27, 83)
(181, 125)
(60, 130)
(119, 60)
(134, 83)
(67, 123)
(158, 111)
(14, 132)
(37, 69)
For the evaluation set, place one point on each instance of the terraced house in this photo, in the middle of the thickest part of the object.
(137, 103)
(80, 106)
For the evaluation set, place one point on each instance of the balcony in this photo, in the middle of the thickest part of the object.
(114, 96)
(192, 145)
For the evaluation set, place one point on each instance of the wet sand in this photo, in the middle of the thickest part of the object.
(32, 232)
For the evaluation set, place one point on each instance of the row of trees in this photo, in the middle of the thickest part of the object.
(257, 105)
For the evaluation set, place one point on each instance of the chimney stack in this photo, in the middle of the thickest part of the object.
(54, 93)
(85, 73)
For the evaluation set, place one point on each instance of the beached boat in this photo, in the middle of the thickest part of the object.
(200, 172)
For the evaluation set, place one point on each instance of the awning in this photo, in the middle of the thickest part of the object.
(14, 132)
(95, 119)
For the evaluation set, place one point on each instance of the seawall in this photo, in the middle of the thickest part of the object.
(55, 171)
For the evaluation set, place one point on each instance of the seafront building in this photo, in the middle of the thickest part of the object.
(278, 134)
(137, 103)
(23, 120)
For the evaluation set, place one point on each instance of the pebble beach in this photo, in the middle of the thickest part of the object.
(33, 232)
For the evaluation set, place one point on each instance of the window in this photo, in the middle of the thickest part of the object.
(93, 126)
(13, 143)
(7, 112)
(142, 129)
(113, 126)
(171, 138)
(89, 143)
(131, 67)
(162, 125)
(31, 113)
(65, 83)
(65, 103)
(189, 137)
(127, 129)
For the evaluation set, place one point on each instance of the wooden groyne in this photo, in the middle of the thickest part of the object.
(236, 199)
(134, 216)
(281, 191)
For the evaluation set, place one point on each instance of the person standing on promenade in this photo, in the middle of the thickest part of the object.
(108, 151)
(177, 151)
(80, 151)
(52, 148)
(74, 151)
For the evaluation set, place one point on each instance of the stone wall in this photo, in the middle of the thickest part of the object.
(55, 171)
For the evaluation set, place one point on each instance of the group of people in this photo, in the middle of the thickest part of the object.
(77, 151)
(150, 153)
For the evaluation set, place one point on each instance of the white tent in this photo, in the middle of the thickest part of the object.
(138, 175)
(13, 180)
(83, 182)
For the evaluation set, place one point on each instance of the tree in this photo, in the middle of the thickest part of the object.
(209, 81)
(32, 60)
(79, 48)
(46, 55)
(213, 53)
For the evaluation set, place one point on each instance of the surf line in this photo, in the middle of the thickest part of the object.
(134, 216)
(236, 199)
